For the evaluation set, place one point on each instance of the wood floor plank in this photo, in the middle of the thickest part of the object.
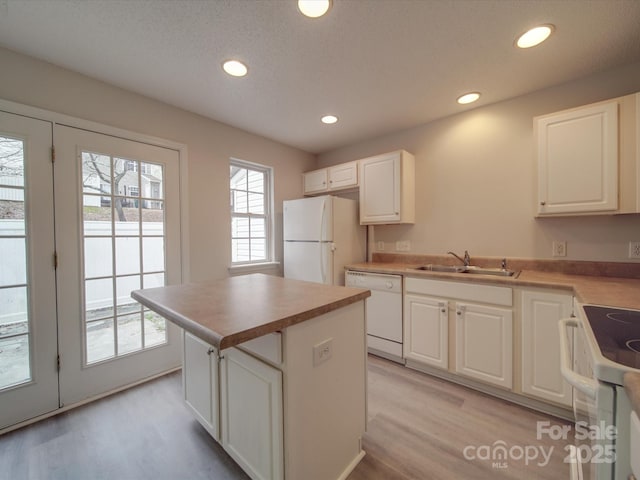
(418, 429)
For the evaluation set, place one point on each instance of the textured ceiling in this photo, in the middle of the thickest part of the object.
(379, 65)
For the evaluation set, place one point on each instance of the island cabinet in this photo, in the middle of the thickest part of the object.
(200, 382)
(387, 189)
(237, 398)
(278, 381)
(589, 159)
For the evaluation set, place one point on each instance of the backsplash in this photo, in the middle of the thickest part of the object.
(569, 267)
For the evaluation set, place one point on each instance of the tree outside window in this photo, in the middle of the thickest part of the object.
(250, 212)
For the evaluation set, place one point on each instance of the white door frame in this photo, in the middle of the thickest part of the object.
(66, 120)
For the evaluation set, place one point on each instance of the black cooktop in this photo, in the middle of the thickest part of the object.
(617, 332)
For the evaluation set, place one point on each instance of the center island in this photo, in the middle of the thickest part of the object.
(274, 369)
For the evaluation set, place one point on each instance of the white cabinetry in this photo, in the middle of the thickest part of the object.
(338, 177)
(480, 344)
(484, 343)
(426, 332)
(387, 189)
(269, 394)
(541, 377)
(251, 411)
(200, 382)
(315, 182)
(238, 400)
(343, 176)
(589, 159)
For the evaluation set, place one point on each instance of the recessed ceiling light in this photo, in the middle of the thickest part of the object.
(535, 36)
(468, 98)
(314, 8)
(235, 68)
(329, 119)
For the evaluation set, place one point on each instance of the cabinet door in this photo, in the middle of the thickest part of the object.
(484, 343)
(426, 331)
(315, 182)
(578, 160)
(343, 176)
(541, 375)
(200, 382)
(252, 417)
(380, 189)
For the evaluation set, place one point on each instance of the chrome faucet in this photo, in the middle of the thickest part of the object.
(466, 261)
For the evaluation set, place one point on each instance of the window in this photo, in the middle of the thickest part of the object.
(124, 250)
(250, 188)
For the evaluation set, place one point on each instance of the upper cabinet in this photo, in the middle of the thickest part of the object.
(588, 159)
(337, 177)
(387, 188)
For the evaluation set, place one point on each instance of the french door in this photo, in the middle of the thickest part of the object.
(76, 237)
(28, 330)
(117, 230)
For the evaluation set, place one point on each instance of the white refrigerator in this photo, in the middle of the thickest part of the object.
(321, 236)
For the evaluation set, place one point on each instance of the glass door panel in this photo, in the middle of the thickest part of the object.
(28, 341)
(128, 239)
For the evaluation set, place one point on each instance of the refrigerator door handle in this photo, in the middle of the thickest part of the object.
(323, 272)
(323, 223)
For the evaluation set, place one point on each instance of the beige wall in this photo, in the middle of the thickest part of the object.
(210, 145)
(475, 180)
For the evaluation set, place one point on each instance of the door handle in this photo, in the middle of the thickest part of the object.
(586, 385)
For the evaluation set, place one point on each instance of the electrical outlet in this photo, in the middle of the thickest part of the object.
(634, 249)
(322, 352)
(403, 246)
(559, 249)
(380, 246)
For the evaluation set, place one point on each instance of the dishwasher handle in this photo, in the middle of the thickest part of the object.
(586, 385)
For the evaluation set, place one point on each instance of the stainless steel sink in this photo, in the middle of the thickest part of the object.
(489, 271)
(469, 269)
(443, 268)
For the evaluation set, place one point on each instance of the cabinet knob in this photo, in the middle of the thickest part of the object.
(444, 310)
(543, 203)
(210, 351)
(458, 312)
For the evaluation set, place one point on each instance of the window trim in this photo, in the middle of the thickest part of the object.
(269, 218)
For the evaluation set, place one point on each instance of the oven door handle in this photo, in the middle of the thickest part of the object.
(586, 385)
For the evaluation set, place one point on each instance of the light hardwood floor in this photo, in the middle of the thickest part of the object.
(418, 429)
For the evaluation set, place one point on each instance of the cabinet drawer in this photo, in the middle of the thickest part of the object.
(268, 347)
(461, 291)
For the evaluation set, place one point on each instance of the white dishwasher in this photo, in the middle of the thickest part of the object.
(383, 311)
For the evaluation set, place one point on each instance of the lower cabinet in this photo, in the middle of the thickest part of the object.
(239, 402)
(251, 411)
(541, 377)
(426, 332)
(277, 390)
(474, 340)
(484, 343)
(499, 336)
(200, 383)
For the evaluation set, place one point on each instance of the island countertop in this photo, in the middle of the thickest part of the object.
(227, 312)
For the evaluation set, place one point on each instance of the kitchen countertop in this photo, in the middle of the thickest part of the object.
(632, 386)
(227, 312)
(597, 290)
